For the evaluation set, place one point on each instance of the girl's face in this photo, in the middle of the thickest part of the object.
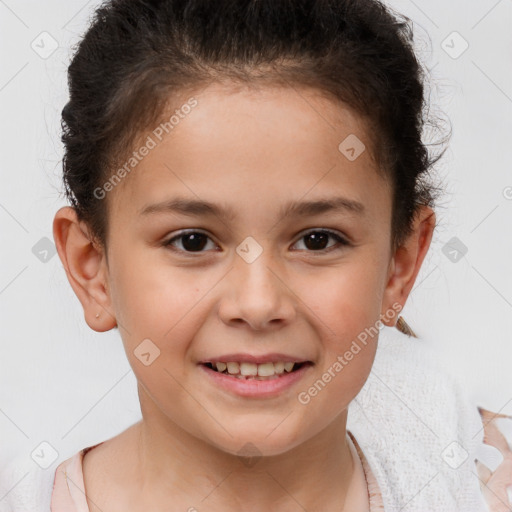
(289, 261)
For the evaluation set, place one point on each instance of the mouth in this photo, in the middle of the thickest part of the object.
(254, 371)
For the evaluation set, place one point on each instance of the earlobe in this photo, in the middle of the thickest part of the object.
(406, 263)
(85, 267)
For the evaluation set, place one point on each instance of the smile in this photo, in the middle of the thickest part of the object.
(253, 371)
(263, 380)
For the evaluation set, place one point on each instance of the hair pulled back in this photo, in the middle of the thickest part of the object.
(136, 54)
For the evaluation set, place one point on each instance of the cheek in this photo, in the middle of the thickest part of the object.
(348, 310)
(351, 300)
(151, 300)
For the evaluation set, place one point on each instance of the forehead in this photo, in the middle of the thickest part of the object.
(239, 144)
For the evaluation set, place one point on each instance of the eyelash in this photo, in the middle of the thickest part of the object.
(341, 240)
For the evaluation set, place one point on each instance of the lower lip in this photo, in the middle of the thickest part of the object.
(256, 388)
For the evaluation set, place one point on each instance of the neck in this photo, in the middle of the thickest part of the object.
(176, 467)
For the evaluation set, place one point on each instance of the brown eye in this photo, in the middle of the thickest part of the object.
(192, 241)
(317, 241)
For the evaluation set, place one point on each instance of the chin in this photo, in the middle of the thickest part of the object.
(257, 440)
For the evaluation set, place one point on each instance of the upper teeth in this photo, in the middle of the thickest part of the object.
(262, 370)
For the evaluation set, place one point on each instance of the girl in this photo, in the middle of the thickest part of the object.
(250, 208)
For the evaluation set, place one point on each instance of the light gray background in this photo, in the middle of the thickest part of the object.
(63, 383)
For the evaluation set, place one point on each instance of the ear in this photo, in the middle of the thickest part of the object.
(86, 268)
(406, 262)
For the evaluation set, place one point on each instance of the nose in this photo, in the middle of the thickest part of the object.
(256, 295)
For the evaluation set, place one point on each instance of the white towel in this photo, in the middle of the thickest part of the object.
(25, 487)
(418, 429)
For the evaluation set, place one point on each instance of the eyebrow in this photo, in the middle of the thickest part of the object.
(192, 207)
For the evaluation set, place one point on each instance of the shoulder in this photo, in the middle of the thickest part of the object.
(27, 487)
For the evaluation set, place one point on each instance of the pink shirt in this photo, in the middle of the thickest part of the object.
(69, 490)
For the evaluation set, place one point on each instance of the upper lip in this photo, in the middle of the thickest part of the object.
(257, 359)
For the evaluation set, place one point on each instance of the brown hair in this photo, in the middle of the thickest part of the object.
(137, 53)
